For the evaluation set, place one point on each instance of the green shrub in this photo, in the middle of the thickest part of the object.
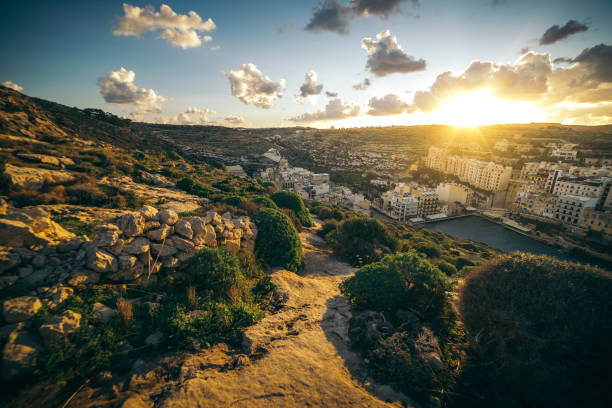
(75, 225)
(402, 281)
(447, 267)
(218, 271)
(362, 240)
(264, 201)
(325, 212)
(429, 249)
(236, 201)
(293, 202)
(327, 227)
(278, 242)
(463, 262)
(540, 332)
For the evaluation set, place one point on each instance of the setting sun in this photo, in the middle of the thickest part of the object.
(481, 108)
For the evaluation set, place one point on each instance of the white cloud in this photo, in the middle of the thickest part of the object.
(387, 57)
(13, 86)
(362, 86)
(191, 116)
(181, 30)
(334, 110)
(235, 120)
(118, 87)
(310, 86)
(389, 104)
(248, 84)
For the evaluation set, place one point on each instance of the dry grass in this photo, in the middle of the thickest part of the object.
(125, 311)
(192, 298)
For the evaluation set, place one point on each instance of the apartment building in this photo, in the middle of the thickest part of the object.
(488, 176)
(569, 209)
(581, 188)
(453, 192)
(600, 221)
(565, 151)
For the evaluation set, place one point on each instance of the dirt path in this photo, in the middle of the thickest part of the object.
(296, 357)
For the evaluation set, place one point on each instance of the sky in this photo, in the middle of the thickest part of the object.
(316, 63)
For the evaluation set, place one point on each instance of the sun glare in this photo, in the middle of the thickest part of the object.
(481, 108)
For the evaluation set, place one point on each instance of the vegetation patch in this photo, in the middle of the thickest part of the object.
(278, 242)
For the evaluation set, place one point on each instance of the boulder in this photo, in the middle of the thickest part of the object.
(117, 248)
(21, 308)
(60, 326)
(39, 261)
(58, 295)
(72, 245)
(82, 278)
(148, 212)
(101, 261)
(160, 233)
(137, 246)
(18, 353)
(163, 250)
(34, 177)
(227, 215)
(213, 218)
(18, 234)
(154, 339)
(103, 311)
(132, 224)
(183, 228)
(207, 237)
(39, 158)
(8, 259)
(149, 225)
(233, 245)
(127, 262)
(39, 275)
(31, 227)
(168, 217)
(182, 244)
(107, 238)
(170, 262)
(198, 225)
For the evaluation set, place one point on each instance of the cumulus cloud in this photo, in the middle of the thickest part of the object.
(181, 30)
(556, 33)
(599, 59)
(13, 86)
(387, 57)
(526, 79)
(331, 94)
(191, 116)
(248, 84)
(310, 86)
(363, 85)
(389, 104)
(331, 15)
(235, 120)
(118, 87)
(334, 110)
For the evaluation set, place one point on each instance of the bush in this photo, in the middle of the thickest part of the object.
(278, 242)
(264, 201)
(326, 213)
(447, 267)
(540, 332)
(217, 271)
(327, 227)
(293, 202)
(402, 281)
(236, 201)
(362, 240)
(429, 249)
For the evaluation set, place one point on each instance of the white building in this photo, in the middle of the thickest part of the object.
(565, 151)
(453, 192)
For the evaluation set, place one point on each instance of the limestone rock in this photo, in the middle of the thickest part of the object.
(148, 212)
(21, 308)
(213, 218)
(31, 227)
(39, 158)
(183, 228)
(198, 225)
(233, 245)
(149, 225)
(132, 224)
(137, 246)
(182, 244)
(127, 262)
(103, 311)
(170, 262)
(34, 177)
(84, 278)
(166, 250)
(58, 295)
(107, 238)
(117, 248)
(8, 260)
(160, 233)
(168, 217)
(154, 339)
(60, 326)
(19, 352)
(72, 245)
(101, 261)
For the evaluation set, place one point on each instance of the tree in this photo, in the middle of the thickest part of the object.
(278, 242)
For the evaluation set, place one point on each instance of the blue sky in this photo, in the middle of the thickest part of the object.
(57, 51)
